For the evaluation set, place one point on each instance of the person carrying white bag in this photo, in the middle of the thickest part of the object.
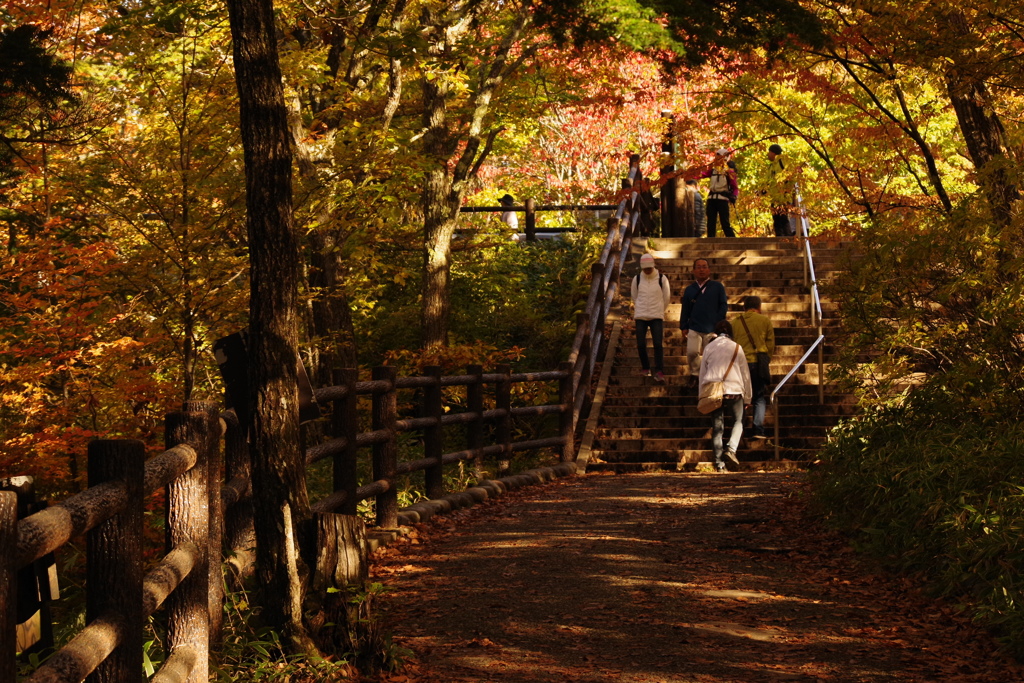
(724, 365)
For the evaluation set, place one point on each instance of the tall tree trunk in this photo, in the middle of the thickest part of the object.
(446, 183)
(279, 485)
(982, 129)
(986, 143)
(438, 219)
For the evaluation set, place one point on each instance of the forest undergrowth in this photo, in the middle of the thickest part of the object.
(930, 476)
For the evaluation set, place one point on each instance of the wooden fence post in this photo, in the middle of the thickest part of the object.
(239, 534)
(503, 430)
(475, 429)
(188, 521)
(670, 223)
(566, 420)
(8, 586)
(597, 273)
(114, 558)
(385, 454)
(433, 437)
(531, 221)
(215, 464)
(345, 423)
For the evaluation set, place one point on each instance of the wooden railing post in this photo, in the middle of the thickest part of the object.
(216, 481)
(475, 429)
(239, 534)
(581, 367)
(503, 430)
(188, 521)
(433, 437)
(8, 586)
(566, 421)
(385, 454)
(114, 558)
(597, 273)
(345, 423)
(531, 221)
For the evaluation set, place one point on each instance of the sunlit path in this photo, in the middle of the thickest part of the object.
(664, 578)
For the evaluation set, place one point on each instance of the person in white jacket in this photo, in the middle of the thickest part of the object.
(651, 293)
(725, 362)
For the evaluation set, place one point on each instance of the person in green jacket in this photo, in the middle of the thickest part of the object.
(755, 334)
(780, 192)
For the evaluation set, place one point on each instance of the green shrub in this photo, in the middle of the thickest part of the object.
(933, 487)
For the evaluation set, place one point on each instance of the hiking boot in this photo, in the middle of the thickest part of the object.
(645, 373)
(659, 377)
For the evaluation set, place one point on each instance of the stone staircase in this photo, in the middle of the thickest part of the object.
(648, 426)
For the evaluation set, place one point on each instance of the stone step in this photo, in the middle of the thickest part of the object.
(802, 438)
(798, 462)
(662, 423)
(749, 449)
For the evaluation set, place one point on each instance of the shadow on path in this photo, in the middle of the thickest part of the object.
(664, 578)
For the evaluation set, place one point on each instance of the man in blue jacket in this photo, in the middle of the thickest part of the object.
(704, 305)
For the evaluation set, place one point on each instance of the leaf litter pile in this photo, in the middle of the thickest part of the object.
(663, 578)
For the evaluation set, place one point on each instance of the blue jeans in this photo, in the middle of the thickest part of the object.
(657, 328)
(735, 407)
(760, 401)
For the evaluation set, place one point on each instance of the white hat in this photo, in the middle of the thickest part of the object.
(722, 152)
(647, 261)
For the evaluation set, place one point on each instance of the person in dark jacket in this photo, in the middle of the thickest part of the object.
(704, 305)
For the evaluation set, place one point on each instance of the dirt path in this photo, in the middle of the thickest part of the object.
(667, 579)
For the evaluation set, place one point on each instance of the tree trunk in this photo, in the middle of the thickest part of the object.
(982, 130)
(331, 324)
(279, 487)
(438, 217)
(445, 183)
(986, 143)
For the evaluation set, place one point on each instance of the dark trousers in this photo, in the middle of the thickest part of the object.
(657, 328)
(780, 222)
(718, 208)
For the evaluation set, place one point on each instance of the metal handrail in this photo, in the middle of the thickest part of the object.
(792, 371)
(810, 280)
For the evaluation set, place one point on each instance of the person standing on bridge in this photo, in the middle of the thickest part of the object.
(651, 292)
(720, 365)
(754, 332)
(723, 189)
(704, 304)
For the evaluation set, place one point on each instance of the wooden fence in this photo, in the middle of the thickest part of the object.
(205, 471)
